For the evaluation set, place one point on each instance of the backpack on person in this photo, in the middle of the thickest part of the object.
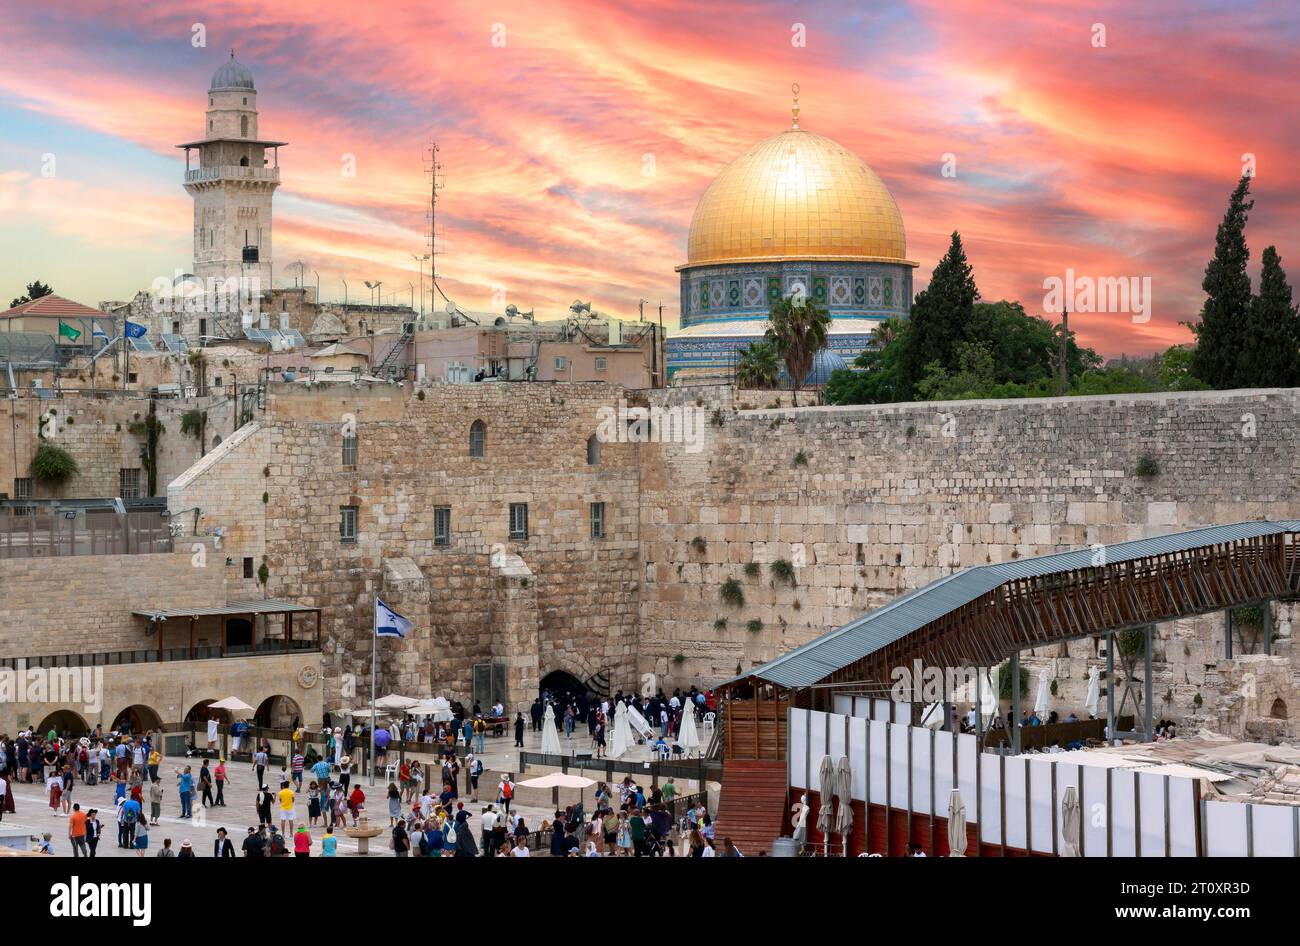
(507, 790)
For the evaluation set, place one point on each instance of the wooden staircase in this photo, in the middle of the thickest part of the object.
(751, 808)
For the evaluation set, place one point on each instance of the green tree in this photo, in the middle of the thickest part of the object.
(1174, 370)
(758, 366)
(1270, 353)
(1221, 331)
(35, 290)
(798, 333)
(940, 319)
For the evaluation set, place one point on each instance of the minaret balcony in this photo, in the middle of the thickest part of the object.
(231, 172)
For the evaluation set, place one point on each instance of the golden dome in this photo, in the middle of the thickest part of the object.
(796, 196)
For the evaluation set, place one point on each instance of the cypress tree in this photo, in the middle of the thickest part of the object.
(940, 320)
(1270, 355)
(1221, 332)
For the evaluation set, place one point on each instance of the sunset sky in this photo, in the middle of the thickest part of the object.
(1113, 161)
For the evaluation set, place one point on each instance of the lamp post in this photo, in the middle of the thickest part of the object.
(420, 262)
(345, 292)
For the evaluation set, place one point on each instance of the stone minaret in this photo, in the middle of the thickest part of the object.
(233, 182)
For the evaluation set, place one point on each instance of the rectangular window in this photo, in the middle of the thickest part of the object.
(176, 327)
(519, 520)
(128, 482)
(442, 525)
(248, 567)
(597, 520)
(348, 523)
(601, 364)
(349, 450)
(23, 490)
(560, 362)
(203, 327)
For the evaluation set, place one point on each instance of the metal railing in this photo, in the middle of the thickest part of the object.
(50, 528)
(231, 172)
(697, 768)
(113, 658)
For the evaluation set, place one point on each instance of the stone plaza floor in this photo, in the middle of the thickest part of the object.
(500, 755)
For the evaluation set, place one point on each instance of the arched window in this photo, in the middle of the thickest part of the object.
(477, 438)
(1279, 709)
(243, 162)
(593, 450)
(243, 126)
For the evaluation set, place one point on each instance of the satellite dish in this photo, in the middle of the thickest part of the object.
(512, 310)
(499, 322)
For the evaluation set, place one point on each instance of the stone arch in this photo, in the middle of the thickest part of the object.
(573, 665)
(135, 719)
(277, 711)
(478, 439)
(199, 713)
(63, 721)
(593, 450)
(561, 681)
(1278, 710)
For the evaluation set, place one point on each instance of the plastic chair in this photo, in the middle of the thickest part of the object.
(707, 723)
(390, 771)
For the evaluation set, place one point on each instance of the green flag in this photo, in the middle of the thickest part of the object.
(67, 331)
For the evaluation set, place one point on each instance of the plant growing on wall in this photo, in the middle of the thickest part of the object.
(53, 465)
(1054, 688)
(679, 658)
(801, 459)
(751, 570)
(263, 574)
(149, 430)
(1004, 682)
(192, 423)
(698, 544)
(717, 419)
(1132, 642)
(1147, 466)
(720, 624)
(732, 593)
(783, 571)
(753, 625)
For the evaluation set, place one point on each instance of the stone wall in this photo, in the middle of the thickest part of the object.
(576, 596)
(96, 431)
(84, 604)
(871, 502)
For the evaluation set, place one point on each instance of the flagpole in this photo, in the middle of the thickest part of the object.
(374, 672)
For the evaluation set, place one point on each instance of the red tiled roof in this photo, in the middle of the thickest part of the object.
(51, 306)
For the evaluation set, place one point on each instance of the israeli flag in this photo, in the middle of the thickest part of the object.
(388, 623)
(97, 331)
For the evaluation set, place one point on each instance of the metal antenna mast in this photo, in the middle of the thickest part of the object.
(433, 169)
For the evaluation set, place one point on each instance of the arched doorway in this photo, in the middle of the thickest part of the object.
(137, 719)
(1279, 709)
(277, 712)
(199, 712)
(560, 682)
(65, 723)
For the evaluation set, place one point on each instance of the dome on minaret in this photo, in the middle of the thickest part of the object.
(232, 75)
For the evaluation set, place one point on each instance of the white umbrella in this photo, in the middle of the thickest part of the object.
(1094, 691)
(558, 780)
(688, 738)
(438, 708)
(1070, 822)
(394, 702)
(550, 738)
(956, 825)
(844, 789)
(233, 705)
(989, 697)
(622, 732)
(825, 800)
(637, 723)
(1042, 701)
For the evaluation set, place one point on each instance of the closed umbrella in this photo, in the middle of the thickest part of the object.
(1042, 701)
(637, 723)
(844, 789)
(1070, 823)
(550, 738)
(988, 697)
(1094, 692)
(933, 716)
(956, 824)
(622, 732)
(688, 738)
(826, 801)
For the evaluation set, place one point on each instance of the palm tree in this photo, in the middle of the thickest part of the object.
(798, 333)
(884, 334)
(758, 366)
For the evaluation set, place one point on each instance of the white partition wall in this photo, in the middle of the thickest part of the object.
(1016, 800)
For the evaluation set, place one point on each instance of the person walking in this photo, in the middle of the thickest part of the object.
(219, 775)
(77, 832)
(93, 831)
(401, 844)
(155, 802)
(302, 842)
(286, 796)
(259, 764)
(205, 785)
(262, 801)
(505, 792)
(519, 730)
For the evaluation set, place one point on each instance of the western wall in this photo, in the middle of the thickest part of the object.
(864, 503)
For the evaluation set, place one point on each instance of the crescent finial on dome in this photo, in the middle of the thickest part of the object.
(794, 110)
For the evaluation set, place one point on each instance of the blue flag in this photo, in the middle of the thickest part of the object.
(96, 331)
(135, 331)
(388, 623)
